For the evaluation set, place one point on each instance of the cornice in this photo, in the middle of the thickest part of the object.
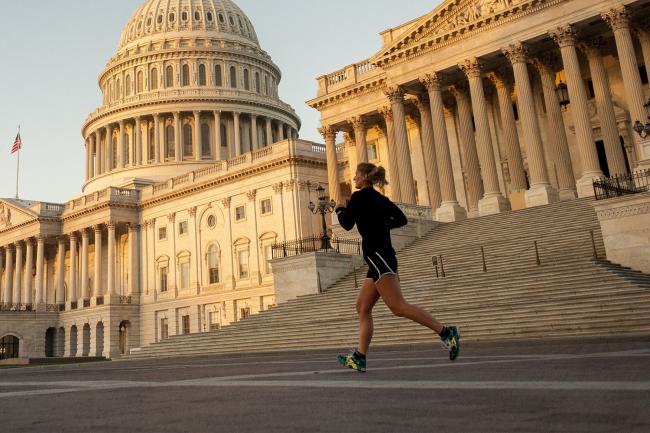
(349, 93)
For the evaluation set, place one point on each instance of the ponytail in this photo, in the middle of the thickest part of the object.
(376, 175)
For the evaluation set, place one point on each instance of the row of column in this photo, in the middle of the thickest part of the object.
(100, 146)
(19, 262)
(483, 192)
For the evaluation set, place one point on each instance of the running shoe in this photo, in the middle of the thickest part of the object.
(353, 362)
(452, 342)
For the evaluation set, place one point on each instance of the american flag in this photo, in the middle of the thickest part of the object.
(17, 144)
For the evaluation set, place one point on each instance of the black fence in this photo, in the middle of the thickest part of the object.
(313, 244)
(622, 185)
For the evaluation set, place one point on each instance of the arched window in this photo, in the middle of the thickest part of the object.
(152, 143)
(206, 148)
(186, 75)
(118, 88)
(170, 141)
(224, 136)
(125, 150)
(247, 80)
(154, 79)
(187, 140)
(257, 82)
(213, 265)
(202, 77)
(266, 84)
(127, 85)
(233, 77)
(169, 76)
(218, 77)
(140, 85)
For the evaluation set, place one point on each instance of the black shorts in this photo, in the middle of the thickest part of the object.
(380, 265)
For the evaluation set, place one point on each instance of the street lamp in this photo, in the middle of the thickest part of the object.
(325, 206)
(640, 128)
(563, 94)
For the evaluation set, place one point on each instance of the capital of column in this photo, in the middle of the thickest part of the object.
(98, 228)
(358, 123)
(422, 103)
(225, 202)
(192, 211)
(121, 123)
(433, 81)
(73, 236)
(592, 48)
(177, 115)
(327, 132)
(251, 194)
(387, 113)
(473, 67)
(617, 18)
(156, 117)
(458, 90)
(395, 94)
(277, 187)
(84, 233)
(111, 225)
(546, 63)
(564, 36)
(133, 227)
(497, 80)
(516, 53)
(196, 113)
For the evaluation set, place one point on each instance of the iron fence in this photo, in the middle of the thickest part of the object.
(314, 244)
(619, 186)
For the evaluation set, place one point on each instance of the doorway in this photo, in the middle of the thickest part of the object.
(9, 347)
(124, 337)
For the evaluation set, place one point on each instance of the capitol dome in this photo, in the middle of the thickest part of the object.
(189, 85)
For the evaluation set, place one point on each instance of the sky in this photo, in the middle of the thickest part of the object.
(52, 52)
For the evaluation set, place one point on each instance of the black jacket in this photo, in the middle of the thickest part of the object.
(375, 216)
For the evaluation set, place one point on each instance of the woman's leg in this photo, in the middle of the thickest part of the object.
(389, 289)
(368, 297)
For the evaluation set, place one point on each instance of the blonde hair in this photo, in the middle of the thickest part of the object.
(375, 175)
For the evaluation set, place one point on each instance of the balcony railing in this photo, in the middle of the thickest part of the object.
(315, 244)
(628, 184)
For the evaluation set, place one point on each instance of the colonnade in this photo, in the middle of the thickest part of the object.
(441, 92)
(24, 266)
(180, 136)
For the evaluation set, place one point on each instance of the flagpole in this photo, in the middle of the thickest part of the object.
(18, 166)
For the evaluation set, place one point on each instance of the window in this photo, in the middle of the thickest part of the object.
(233, 77)
(154, 79)
(222, 19)
(266, 206)
(184, 16)
(152, 144)
(206, 148)
(240, 213)
(160, 19)
(182, 228)
(186, 324)
(266, 85)
(209, 17)
(169, 76)
(202, 76)
(372, 151)
(213, 265)
(186, 76)
(164, 329)
(197, 16)
(164, 272)
(242, 260)
(268, 256)
(127, 84)
(232, 20)
(162, 233)
(247, 81)
(215, 320)
(188, 150)
(218, 78)
(212, 221)
(140, 85)
(257, 82)
(172, 17)
(170, 141)
(118, 88)
(224, 136)
(244, 313)
(185, 275)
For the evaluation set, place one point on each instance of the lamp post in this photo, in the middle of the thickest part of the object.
(563, 94)
(640, 128)
(324, 206)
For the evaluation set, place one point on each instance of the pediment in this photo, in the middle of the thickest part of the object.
(15, 213)
(451, 18)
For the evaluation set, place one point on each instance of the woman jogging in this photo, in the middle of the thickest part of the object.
(375, 215)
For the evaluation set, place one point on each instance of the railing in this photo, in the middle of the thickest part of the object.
(622, 185)
(315, 244)
(16, 307)
(126, 300)
(99, 300)
(261, 153)
(363, 68)
(415, 211)
(318, 148)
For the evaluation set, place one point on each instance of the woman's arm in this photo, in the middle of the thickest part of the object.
(394, 215)
(347, 216)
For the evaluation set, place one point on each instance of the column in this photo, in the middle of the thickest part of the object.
(158, 146)
(503, 86)
(93, 155)
(217, 135)
(565, 37)
(136, 158)
(18, 278)
(449, 209)
(84, 294)
(359, 126)
(97, 288)
(110, 268)
(88, 156)
(280, 131)
(407, 183)
(9, 274)
(40, 264)
(29, 265)
(109, 149)
(134, 259)
(72, 283)
(60, 272)
(121, 160)
(619, 20)
(269, 132)
(178, 144)
(198, 150)
(558, 142)
(541, 192)
(471, 167)
(329, 134)
(237, 134)
(428, 150)
(254, 136)
(605, 107)
(99, 153)
(492, 201)
(396, 195)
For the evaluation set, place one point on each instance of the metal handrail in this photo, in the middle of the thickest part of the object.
(314, 244)
(634, 183)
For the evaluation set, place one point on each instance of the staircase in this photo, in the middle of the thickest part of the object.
(537, 272)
